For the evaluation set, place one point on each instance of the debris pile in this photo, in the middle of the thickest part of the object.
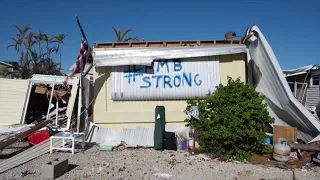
(42, 106)
(298, 158)
(288, 153)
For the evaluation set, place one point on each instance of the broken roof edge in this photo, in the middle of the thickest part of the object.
(40, 78)
(158, 44)
(300, 70)
(6, 64)
(145, 56)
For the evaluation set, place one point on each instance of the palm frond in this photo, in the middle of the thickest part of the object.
(131, 39)
(117, 32)
(125, 33)
(61, 37)
(22, 31)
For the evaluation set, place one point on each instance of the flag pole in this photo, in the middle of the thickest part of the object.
(84, 36)
(81, 78)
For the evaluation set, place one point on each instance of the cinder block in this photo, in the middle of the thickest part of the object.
(55, 168)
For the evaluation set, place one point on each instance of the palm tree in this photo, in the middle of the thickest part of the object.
(32, 61)
(59, 39)
(24, 70)
(19, 40)
(120, 36)
(23, 43)
(39, 38)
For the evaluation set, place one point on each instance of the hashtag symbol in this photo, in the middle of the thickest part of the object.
(132, 74)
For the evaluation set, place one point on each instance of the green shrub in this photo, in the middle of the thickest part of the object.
(233, 121)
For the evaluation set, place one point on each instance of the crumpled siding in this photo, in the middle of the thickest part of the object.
(283, 106)
(133, 137)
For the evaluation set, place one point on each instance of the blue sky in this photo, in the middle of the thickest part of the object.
(290, 26)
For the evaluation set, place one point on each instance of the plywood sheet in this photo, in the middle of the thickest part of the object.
(289, 133)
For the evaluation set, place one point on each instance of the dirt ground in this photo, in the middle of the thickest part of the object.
(150, 164)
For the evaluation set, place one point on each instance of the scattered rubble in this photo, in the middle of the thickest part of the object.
(148, 164)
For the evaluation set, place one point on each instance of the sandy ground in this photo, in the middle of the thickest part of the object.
(149, 164)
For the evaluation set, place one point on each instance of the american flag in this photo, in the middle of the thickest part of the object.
(194, 112)
(81, 61)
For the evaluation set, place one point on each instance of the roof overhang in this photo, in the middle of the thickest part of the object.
(145, 56)
(299, 71)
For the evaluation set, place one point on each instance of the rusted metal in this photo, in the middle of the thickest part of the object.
(230, 35)
(165, 43)
(8, 141)
(305, 147)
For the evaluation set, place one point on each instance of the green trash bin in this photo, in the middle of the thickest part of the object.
(159, 129)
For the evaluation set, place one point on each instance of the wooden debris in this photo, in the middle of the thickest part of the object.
(8, 141)
(289, 133)
(263, 160)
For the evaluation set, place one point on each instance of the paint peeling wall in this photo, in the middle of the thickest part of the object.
(124, 114)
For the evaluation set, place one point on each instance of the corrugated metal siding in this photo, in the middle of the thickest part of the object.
(313, 96)
(166, 79)
(28, 154)
(12, 97)
(140, 136)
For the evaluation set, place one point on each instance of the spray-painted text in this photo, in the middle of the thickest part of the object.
(167, 75)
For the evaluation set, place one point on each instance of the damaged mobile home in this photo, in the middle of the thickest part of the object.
(304, 84)
(44, 103)
(131, 79)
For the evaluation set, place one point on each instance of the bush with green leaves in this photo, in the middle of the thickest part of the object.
(233, 121)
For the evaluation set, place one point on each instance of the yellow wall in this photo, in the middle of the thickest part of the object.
(130, 114)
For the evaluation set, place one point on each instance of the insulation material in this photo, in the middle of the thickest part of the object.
(5, 132)
(270, 81)
(145, 56)
(173, 79)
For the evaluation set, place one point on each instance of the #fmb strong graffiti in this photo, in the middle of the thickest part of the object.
(166, 75)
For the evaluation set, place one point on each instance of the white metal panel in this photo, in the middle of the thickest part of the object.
(28, 154)
(140, 136)
(145, 56)
(166, 79)
(301, 70)
(12, 97)
(40, 78)
(313, 96)
(273, 85)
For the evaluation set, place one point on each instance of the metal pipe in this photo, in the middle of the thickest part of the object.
(79, 103)
(295, 89)
(57, 112)
(25, 109)
(304, 147)
(50, 101)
